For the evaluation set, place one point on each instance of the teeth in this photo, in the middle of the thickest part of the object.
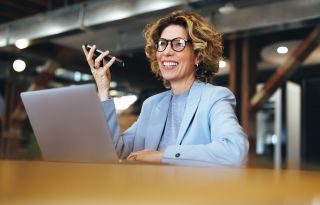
(170, 63)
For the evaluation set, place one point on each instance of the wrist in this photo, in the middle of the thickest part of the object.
(103, 94)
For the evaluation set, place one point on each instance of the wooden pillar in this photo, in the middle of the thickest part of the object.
(248, 88)
(242, 82)
(248, 85)
(235, 72)
(233, 66)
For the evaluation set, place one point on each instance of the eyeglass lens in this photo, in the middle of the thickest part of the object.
(177, 44)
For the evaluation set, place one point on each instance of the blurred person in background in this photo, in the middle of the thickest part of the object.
(193, 123)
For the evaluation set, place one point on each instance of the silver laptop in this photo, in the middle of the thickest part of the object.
(69, 124)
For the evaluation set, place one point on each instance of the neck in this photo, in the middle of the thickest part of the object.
(180, 87)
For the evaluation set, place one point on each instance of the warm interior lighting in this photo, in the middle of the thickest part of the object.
(124, 102)
(282, 50)
(19, 65)
(222, 64)
(22, 43)
(113, 93)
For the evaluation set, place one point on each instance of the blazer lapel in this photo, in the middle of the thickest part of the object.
(157, 122)
(191, 107)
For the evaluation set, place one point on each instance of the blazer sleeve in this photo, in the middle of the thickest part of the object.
(229, 145)
(123, 143)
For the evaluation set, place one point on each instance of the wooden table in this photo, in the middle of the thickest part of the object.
(38, 182)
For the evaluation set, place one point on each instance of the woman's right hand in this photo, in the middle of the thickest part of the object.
(101, 75)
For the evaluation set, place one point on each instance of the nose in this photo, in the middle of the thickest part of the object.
(168, 50)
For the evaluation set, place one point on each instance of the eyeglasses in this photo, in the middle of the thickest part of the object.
(177, 44)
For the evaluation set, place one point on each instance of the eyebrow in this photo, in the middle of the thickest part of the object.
(174, 38)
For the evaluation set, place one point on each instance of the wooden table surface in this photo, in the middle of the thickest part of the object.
(39, 182)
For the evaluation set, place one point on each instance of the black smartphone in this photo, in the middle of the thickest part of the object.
(97, 52)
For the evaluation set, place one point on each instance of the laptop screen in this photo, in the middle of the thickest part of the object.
(69, 124)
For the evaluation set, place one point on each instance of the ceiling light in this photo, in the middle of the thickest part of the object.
(113, 84)
(222, 64)
(282, 50)
(86, 77)
(19, 65)
(77, 76)
(227, 8)
(22, 43)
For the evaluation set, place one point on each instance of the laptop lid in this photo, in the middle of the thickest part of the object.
(69, 124)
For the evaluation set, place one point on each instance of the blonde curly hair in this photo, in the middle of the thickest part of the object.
(205, 38)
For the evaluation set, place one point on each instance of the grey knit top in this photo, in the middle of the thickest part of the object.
(174, 119)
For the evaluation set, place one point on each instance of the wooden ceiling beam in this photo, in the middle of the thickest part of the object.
(285, 71)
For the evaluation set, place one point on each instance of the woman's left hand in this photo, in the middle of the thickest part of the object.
(146, 156)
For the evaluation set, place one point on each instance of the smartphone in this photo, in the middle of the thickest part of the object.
(97, 52)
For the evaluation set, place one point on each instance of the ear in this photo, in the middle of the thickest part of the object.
(197, 61)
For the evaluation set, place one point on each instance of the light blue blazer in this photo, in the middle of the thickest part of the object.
(209, 133)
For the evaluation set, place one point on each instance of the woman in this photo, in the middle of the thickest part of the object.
(193, 123)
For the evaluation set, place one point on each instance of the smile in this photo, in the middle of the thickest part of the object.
(169, 63)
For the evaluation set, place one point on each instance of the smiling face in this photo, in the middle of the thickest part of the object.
(177, 67)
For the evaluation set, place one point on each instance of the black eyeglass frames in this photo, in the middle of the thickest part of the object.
(177, 44)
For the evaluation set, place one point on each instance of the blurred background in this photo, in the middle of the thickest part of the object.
(271, 63)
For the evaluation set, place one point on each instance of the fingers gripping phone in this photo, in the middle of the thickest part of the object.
(97, 52)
